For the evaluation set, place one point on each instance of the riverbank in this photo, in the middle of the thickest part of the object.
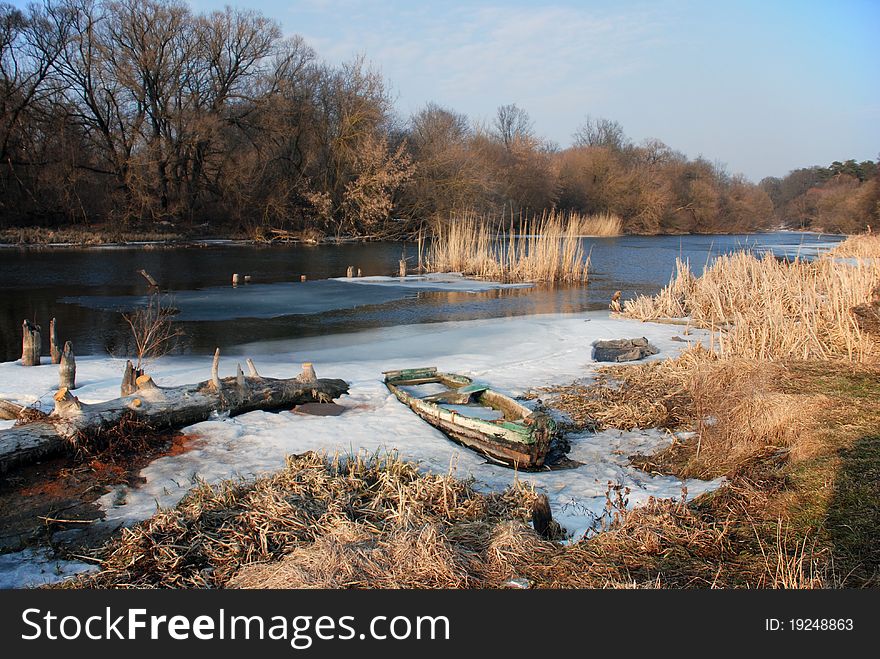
(795, 442)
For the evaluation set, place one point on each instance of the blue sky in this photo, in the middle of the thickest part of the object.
(763, 87)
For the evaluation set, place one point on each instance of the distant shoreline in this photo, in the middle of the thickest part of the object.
(40, 238)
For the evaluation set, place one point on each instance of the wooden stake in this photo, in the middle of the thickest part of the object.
(350, 272)
(215, 370)
(615, 302)
(359, 272)
(402, 267)
(67, 368)
(252, 370)
(239, 379)
(302, 277)
(53, 343)
(235, 279)
(31, 341)
(146, 275)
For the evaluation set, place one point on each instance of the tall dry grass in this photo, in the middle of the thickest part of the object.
(541, 249)
(866, 246)
(764, 308)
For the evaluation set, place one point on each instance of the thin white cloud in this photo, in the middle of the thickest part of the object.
(468, 57)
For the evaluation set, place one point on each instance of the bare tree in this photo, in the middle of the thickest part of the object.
(152, 329)
(512, 123)
(602, 133)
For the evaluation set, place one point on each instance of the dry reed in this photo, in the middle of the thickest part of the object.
(545, 249)
(763, 308)
(865, 246)
(353, 523)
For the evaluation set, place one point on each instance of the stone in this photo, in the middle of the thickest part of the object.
(622, 350)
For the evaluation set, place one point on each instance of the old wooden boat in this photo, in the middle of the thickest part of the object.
(474, 415)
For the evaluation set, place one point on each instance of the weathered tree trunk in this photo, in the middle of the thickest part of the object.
(402, 265)
(31, 342)
(54, 350)
(67, 369)
(129, 378)
(159, 408)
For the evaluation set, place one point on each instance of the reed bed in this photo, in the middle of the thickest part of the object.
(764, 308)
(545, 249)
(865, 246)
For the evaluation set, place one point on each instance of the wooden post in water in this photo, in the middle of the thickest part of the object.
(53, 343)
(403, 267)
(67, 368)
(302, 277)
(146, 275)
(247, 279)
(31, 341)
(350, 272)
(359, 272)
(235, 279)
(129, 379)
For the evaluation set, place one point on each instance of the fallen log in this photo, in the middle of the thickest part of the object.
(10, 411)
(73, 423)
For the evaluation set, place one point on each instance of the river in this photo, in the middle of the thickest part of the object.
(87, 290)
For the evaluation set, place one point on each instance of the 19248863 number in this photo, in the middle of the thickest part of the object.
(820, 624)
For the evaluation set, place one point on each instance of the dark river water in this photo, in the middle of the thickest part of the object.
(87, 290)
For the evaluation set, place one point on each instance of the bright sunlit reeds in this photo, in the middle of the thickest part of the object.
(545, 249)
(764, 308)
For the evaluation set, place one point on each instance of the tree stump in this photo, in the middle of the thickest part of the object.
(308, 373)
(67, 368)
(31, 342)
(402, 267)
(542, 518)
(54, 350)
(129, 379)
(350, 272)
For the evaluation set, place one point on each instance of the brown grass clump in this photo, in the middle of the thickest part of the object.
(650, 395)
(731, 405)
(326, 523)
(545, 249)
(767, 309)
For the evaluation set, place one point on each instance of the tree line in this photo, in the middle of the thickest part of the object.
(843, 197)
(142, 112)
